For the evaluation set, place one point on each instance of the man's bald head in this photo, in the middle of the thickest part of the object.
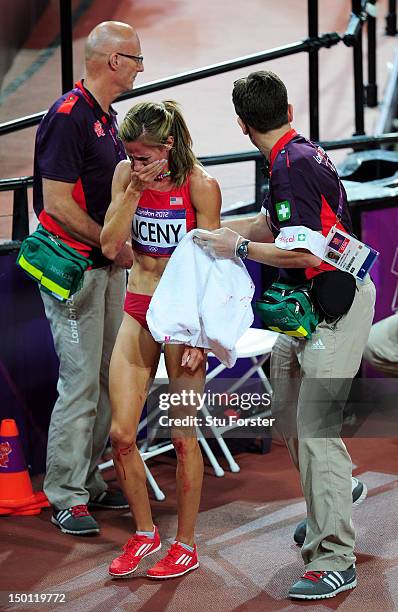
(106, 37)
(113, 60)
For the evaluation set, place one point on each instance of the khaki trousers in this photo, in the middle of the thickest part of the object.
(84, 331)
(311, 381)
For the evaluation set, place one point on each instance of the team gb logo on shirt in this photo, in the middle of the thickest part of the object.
(98, 129)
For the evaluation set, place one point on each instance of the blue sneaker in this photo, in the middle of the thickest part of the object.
(75, 520)
(322, 585)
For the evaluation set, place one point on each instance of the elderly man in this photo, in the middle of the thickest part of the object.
(311, 378)
(76, 152)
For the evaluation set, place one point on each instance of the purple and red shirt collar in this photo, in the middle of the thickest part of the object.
(280, 144)
(88, 96)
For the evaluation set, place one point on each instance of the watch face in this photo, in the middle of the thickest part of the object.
(242, 249)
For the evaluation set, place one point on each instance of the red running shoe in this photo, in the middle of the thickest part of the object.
(134, 551)
(177, 562)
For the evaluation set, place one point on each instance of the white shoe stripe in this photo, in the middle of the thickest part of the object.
(187, 561)
(339, 576)
(64, 514)
(180, 559)
(334, 579)
(139, 551)
(332, 584)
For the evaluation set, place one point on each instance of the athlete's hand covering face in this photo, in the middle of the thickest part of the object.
(145, 177)
(220, 243)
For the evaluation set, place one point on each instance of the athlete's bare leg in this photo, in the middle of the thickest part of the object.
(134, 362)
(189, 474)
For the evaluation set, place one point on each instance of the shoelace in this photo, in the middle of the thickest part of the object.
(173, 553)
(133, 544)
(80, 510)
(314, 576)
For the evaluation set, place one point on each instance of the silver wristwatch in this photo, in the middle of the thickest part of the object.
(243, 249)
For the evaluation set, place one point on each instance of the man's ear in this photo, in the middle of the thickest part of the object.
(289, 113)
(113, 61)
(243, 126)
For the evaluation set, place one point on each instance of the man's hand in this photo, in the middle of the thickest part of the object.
(125, 257)
(192, 357)
(221, 243)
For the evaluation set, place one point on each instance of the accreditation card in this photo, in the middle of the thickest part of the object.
(349, 254)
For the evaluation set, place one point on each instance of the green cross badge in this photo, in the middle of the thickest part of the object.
(283, 210)
(301, 237)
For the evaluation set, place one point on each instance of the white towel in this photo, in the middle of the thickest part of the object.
(202, 301)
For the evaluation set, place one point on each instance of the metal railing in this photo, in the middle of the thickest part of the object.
(20, 224)
(326, 40)
(20, 215)
(352, 37)
(391, 18)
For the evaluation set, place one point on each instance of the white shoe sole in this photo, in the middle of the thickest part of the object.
(174, 575)
(106, 507)
(71, 531)
(345, 587)
(362, 497)
(132, 571)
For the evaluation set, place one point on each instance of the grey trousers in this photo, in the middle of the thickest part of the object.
(382, 347)
(311, 381)
(84, 330)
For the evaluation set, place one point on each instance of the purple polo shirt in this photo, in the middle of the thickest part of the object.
(304, 190)
(77, 143)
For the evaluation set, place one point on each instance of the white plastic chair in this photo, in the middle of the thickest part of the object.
(161, 378)
(148, 451)
(156, 450)
(255, 344)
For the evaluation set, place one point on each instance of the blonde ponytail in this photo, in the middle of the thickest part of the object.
(182, 158)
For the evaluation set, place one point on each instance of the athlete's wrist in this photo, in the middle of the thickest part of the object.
(132, 194)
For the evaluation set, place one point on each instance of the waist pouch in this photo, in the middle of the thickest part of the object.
(59, 269)
(333, 293)
(289, 309)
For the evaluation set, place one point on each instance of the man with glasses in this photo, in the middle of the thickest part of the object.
(76, 152)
